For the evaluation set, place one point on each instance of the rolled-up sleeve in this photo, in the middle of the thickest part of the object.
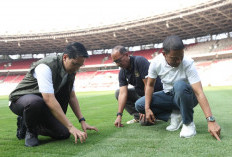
(122, 79)
(152, 73)
(192, 74)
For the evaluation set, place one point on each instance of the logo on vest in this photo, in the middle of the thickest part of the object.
(136, 74)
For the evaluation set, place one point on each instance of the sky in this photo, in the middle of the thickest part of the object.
(42, 16)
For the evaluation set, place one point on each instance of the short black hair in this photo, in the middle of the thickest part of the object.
(75, 50)
(172, 42)
(120, 49)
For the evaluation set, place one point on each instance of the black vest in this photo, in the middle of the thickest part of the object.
(29, 84)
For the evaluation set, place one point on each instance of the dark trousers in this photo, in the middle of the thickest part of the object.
(132, 97)
(38, 117)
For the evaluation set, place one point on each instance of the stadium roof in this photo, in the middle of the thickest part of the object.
(213, 17)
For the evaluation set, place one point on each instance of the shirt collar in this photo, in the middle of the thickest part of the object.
(166, 63)
(61, 65)
(131, 64)
(168, 66)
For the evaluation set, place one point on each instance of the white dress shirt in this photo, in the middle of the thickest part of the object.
(185, 71)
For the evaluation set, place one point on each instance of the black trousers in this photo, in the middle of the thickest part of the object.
(132, 97)
(38, 117)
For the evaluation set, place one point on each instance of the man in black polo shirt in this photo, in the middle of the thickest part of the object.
(133, 71)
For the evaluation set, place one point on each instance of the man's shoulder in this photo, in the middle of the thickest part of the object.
(187, 61)
(52, 58)
(48, 59)
(121, 71)
(140, 59)
(122, 75)
(158, 59)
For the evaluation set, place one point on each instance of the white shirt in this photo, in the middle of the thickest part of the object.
(185, 71)
(43, 74)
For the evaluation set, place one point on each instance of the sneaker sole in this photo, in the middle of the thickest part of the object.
(188, 136)
(132, 122)
(21, 129)
(175, 128)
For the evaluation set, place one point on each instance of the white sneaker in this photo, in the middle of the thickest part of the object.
(132, 121)
(188, 131)
(176, 121)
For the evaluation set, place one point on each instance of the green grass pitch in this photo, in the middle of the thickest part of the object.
(100, 108)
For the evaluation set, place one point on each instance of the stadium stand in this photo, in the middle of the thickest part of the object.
(95, 59)
(92, 60)
(215, 73)
(148, 54)
(208, 47)
(191, 50)
(107, 79)
(212, 73)
(17, 64)
(107, 59)
(212, 56)
(224, 44)
(11, 78)
(98, 80)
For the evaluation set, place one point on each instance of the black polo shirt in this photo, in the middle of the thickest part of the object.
(134, 76)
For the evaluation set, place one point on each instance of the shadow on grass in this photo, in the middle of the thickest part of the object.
(45, 140)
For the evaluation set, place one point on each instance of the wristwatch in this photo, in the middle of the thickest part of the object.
(82, 119)
(119, 114)
(210, 119)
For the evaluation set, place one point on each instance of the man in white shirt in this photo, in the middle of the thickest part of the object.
(42, 97)
(182, 91)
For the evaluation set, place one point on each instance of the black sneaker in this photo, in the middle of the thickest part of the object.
(21, 130)
(31, 139)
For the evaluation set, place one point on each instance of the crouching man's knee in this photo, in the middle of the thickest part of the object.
(116, 94)
(66, 135)
(62, 135)
(140, 105)
(181, 87)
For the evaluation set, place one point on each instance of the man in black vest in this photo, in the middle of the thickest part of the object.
(42, 97)
(134, 70)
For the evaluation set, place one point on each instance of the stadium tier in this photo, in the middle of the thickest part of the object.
(107, 79)
(2, 77)
(97, 80)
(92, 60)
(11, 78)
(149, 54)
(92, 78)
(17, 64)
(95, 59)
(191, 50)
(210, 46)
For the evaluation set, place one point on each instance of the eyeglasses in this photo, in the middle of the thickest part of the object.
(119, 59)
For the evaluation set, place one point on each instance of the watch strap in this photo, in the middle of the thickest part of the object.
(210, 119)
(82, 119)
(119, 114)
